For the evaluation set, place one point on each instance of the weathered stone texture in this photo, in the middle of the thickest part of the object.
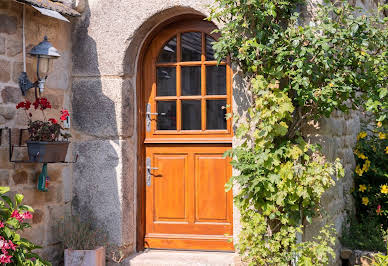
(20, 177)
(4, 177)
(8, 24)
(2, 45)
(14, 47)
(337, 135)
(11, 95)
(5, 71)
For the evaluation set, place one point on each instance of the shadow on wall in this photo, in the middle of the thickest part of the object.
(95, 178)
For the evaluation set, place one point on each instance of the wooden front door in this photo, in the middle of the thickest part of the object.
(187, 95)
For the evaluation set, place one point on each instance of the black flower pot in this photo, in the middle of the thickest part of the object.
(47, 152)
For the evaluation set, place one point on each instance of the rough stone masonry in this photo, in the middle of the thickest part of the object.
(95, 78)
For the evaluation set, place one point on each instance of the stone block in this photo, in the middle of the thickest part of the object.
(2, 45)
(18, 69)
(34, 197)
(3, 4)
(55, 223)
(97, 185)
(103, 108)
(38, 216)
(8, 112)
(14, 47)
(4, 157)
(53, 253)
(8, 24)
(20, 177)
(36, 234)
(4, 177)
(59, 77)
(5, 70)
(11, 95)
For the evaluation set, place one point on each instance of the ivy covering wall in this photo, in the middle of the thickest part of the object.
(297, 72)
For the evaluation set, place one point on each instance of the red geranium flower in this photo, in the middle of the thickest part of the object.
(43, 103)
(53, 120)
(65, 114)
(25, 105)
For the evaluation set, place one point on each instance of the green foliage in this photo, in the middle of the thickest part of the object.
(365, 234)
(371, 176)
(16, 250)
(295, 73)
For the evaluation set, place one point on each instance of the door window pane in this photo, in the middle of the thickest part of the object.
(191, 46)
(168, 52)
(191, 115)
(166, 81)
(216, 80)
(209, 48)
(191, 80)
(166, 120)
(215, 114)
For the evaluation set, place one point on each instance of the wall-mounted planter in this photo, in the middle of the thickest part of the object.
(94, 257)
(47, 152)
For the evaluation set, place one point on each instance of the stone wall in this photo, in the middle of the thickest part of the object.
(22, 178)
(337, 135)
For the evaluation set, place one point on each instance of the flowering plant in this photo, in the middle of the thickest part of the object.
(371, 175)
(46, 129)
(14, 249)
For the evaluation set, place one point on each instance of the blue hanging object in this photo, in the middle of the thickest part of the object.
(43, 179)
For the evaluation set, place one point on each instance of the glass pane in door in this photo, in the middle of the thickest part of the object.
(191, 46)
(216, 80)
(166, 115)
(191, 115)
(166, 81)
(191, 80)
(215, 114)
(168, 52)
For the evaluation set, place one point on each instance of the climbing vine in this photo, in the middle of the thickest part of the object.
(298, 69)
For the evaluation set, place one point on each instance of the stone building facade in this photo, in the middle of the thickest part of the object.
(96, 78)
(49, 207)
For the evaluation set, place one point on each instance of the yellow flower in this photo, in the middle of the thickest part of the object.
(366, 165)
(384, 189)
(379, 124)
(362, 188)
(386, 150)
(361, 135)
(359, 171)
(331, 84)
(382, 135)
(362, 156)
(363, 52)
(365, 201)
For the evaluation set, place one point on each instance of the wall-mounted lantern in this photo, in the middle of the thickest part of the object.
(43, 53)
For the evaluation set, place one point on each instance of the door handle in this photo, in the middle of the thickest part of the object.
(148, 171)
(148, 117)
(148, 113)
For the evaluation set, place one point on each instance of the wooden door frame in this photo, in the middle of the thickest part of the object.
(140, 90)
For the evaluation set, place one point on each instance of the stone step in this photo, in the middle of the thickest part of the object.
(173, 257)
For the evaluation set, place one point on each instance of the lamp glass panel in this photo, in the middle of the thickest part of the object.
(44, 66)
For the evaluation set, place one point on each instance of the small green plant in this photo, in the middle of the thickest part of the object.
(364, 234)
(16, 250)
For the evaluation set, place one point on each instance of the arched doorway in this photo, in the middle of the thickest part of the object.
(184, 133)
